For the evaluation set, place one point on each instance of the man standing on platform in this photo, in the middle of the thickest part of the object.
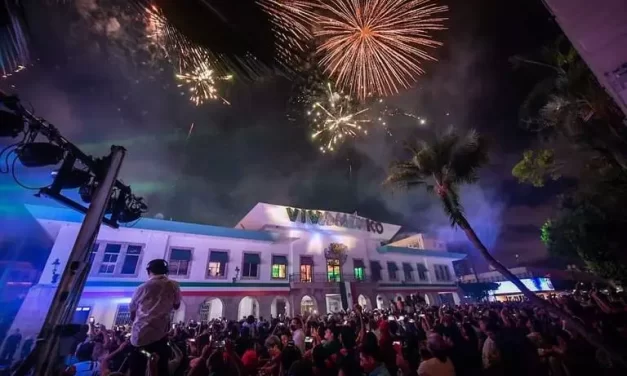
(150, 308)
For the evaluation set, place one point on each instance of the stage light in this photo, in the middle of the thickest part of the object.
(86, 191)
(40, 154)
(73, 179)
(133, 209)
(11, 124)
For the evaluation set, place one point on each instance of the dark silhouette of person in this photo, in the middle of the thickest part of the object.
(10, 346)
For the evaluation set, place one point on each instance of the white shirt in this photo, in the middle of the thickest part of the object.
(152, 303)
(434, 367)
(299, 339)
(490, 353)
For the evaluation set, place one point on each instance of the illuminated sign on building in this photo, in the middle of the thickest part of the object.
(322, 218)
(533, 284)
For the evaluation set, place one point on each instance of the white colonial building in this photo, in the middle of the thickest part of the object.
(277, 260)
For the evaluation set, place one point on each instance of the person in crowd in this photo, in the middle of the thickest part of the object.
(512, 338)
(11, 344)
(298, 335)
(438, 363)
(150, 307)
(85, 365)
(27, 346)
(371, 361)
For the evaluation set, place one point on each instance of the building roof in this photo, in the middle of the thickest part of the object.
(420, 252)
(263, 214)
(53, 213)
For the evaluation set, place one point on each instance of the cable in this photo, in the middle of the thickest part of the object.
(11, 148)
(18, 182)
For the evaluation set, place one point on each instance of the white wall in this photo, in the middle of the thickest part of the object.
(303, 243)
(157, 245)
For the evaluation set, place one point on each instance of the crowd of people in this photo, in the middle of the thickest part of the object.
(408, 338)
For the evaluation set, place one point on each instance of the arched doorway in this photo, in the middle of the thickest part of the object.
(248, 306)
(307, 305)
(280, 306)
(380, 302)
(211, 309)
(364, 302)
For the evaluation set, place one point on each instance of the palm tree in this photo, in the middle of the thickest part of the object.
(443, 165)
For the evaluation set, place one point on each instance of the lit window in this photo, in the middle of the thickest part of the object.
(306, 269)
(279, 267)
(217, 264)
(334, 273)
(359, 270)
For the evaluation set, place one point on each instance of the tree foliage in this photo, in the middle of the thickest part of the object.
(590, 226)
(569, 103)
(442, 165)
(537, 167)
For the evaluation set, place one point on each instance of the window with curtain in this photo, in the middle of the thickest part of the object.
(422, 272)
(359, 270)
(179, 262)
(279, 267)
(218, 261)
(392, 271)
(110, 258)
(408, 271)
(334, 273)
(442, 273)
(250, 266)
(375, 270)
(131, 259)
(306, 269)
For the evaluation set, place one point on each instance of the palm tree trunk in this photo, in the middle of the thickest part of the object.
(594, 339)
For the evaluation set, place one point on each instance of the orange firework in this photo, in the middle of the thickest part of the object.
(375, 47)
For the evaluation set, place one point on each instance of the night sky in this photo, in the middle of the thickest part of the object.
(98, 89)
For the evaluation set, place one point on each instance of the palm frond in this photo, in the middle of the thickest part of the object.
(466, 158)
(405, 175)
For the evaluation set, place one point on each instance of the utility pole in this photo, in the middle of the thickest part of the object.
(45, 354)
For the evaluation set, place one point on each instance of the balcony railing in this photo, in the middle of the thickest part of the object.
(326, 278)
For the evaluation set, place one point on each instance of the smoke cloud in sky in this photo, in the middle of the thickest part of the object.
(99, 88)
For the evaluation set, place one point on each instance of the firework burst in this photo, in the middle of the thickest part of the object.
(375, 47)
(336, 119)
(292, 21)
(175, 46)
(202, 81)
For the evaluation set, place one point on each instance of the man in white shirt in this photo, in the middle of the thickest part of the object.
(150, 308)
(298, 335)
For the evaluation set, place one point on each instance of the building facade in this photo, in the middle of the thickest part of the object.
(277, 260)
